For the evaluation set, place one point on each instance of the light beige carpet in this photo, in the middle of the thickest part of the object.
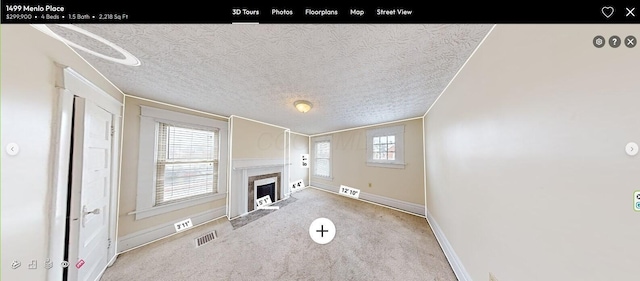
(371, 243)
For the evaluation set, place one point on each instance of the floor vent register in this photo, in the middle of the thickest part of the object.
(205, 238)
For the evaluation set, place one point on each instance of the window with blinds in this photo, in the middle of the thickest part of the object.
(323, 159)
(187, 163)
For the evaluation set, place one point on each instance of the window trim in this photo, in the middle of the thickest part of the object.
(167, 162)
(398, 132)
(149, 116)
(331, 148)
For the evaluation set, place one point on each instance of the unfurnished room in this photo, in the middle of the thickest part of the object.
(319, 152)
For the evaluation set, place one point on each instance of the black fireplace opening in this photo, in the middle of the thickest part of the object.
(267, 189)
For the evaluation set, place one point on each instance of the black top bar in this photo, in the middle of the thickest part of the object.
(443, 11)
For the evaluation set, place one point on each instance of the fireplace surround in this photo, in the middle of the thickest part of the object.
(244, 174)
(255, 181)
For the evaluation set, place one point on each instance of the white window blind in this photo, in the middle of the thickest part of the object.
(323, 158)
(187, 163)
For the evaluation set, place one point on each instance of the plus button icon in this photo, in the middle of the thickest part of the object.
(322, 230)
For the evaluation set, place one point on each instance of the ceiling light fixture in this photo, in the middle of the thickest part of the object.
(302, 105)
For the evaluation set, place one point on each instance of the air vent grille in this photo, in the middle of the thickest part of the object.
(206, 238)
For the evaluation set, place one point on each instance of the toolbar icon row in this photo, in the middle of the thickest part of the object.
(615, 41)
(48, 264)
(608, 11)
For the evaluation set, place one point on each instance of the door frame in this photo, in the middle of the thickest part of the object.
(69, 84)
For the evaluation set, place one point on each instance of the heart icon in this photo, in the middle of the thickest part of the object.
(608, 11)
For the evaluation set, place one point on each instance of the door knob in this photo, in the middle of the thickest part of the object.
(95, 211)
(85, 213)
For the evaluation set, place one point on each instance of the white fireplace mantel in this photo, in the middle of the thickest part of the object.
(257, 163)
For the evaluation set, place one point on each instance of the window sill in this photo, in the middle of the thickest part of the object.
(322, 177)
(387, 165)
(158, 210)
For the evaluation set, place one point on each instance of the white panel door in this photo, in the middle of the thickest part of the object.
(91, 187)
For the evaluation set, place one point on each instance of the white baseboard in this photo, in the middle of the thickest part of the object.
(109, 264)
(412, 208)
(113, 260)
(146, 236)
(327, 187)
(454, 261)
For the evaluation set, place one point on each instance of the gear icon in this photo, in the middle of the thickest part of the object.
(599, 41)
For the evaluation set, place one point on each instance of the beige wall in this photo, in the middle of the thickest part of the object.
(253, 144)
(526, 170)
(253, 140)
(129, 178)
(349, 165)
(29, 102)
(299, 145)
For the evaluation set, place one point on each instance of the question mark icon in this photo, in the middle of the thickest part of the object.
(614, 41)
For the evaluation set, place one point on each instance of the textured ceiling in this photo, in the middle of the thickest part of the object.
(354, 75)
